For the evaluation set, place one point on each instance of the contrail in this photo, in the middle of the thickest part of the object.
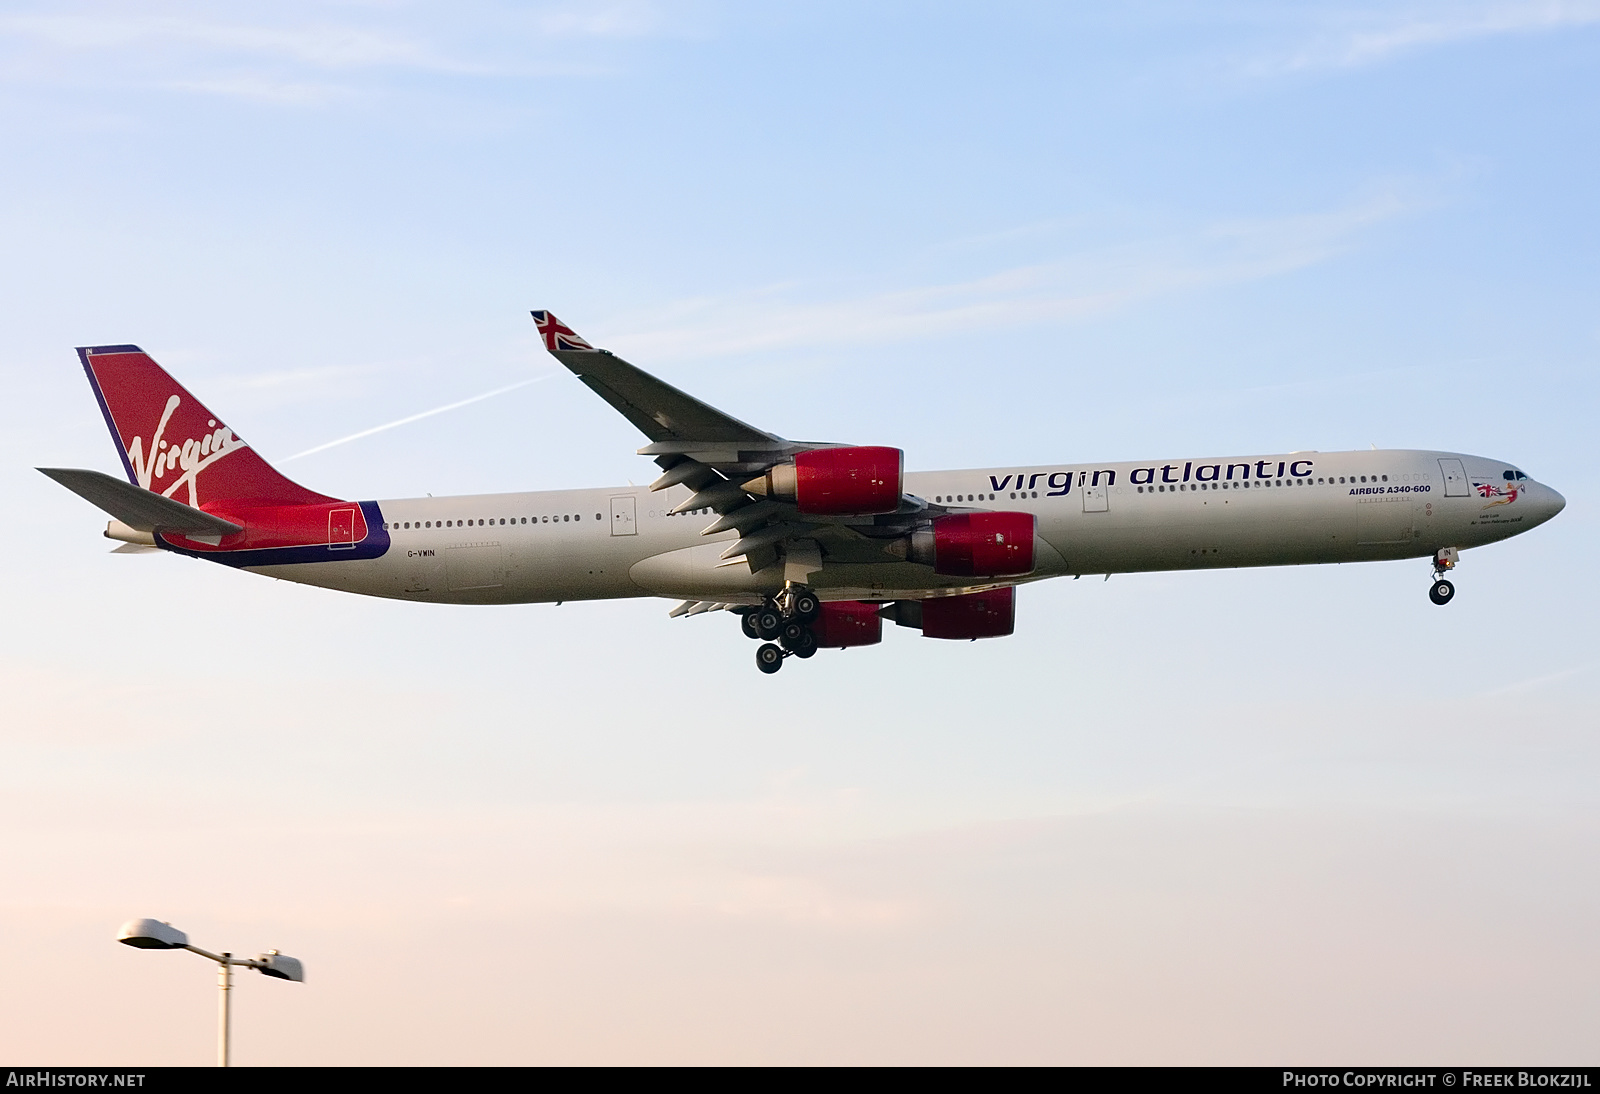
(424, 414)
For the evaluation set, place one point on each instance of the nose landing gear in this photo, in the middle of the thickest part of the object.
(1444, 561)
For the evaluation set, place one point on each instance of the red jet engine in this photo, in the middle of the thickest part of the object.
(977, 615)
(848, 623)
(976, 544)
(836, 481)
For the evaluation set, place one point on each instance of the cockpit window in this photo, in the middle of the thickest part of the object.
(1514, 476)
(1509, 475)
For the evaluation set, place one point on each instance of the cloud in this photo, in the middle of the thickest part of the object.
(1537, 683)
(262, 89)
(327, 46)
(1369, 41)
(620, 20)
(324, 44)
(1069, 289)
(300, 56)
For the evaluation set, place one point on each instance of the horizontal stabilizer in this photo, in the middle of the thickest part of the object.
(137, 507)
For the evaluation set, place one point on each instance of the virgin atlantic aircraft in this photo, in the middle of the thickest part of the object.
(811, 544)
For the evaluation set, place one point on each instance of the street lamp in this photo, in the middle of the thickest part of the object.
(152, 934)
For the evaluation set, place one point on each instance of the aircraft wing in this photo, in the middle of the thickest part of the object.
(676, 423)
(137, 507)
(715, 455)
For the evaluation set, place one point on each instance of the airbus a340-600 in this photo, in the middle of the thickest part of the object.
(813, 545)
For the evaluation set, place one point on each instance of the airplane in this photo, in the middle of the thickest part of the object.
(813, 545)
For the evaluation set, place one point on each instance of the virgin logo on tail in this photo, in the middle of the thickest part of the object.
(191, 457)
(135, 393)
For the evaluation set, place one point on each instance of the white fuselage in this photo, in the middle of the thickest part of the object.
(1288, 509)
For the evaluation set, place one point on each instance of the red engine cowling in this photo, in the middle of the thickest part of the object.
(977, 615)
(836, 481)
(848, 623)
(977, 544)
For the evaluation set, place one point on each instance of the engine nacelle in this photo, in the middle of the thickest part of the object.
(836, 481)
(848, 623)
(977, 615)
(976, 544)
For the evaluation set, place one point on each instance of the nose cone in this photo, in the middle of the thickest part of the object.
(1548, 503)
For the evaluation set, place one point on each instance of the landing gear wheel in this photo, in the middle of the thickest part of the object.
(807, 646)
(806, 607)
(769, 658)
(747, 621)
(794, 634)
(768, 624)
(1442, 592)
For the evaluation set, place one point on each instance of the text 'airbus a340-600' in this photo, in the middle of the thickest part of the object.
(812, 545)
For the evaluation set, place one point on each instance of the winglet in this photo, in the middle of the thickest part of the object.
(557, 335)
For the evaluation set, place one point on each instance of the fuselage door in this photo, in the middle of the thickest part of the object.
(474, 566)
(1455, 479)
(1095, 499)
(623, 511)
(341, 528)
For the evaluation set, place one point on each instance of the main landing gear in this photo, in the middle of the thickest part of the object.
(783, 626)
(1443, 591)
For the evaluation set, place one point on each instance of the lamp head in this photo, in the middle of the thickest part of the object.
(152, 934)
(281, 966)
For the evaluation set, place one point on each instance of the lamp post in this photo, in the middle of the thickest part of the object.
(152, 934)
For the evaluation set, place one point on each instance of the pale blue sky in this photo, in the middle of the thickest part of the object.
(1230, 817)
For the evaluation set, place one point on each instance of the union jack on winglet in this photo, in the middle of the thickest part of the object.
(557, 335)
